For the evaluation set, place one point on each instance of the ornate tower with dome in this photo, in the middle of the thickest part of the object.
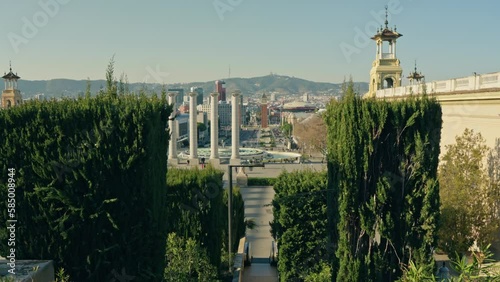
(11, 96)
(386, 69)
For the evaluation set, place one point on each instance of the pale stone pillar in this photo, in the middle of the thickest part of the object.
(235, 126)
(193, 133)
(214, 129)
(394, 49)
(380, 49)
(174, 134)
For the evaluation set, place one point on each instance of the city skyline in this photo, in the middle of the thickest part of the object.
(191, 41)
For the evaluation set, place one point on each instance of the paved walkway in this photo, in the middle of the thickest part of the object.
(256, 200)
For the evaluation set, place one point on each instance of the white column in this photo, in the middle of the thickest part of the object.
(214, 128)
(193, 133)
(380, 49)
(394, 49)
(235, 138)
(172, 145)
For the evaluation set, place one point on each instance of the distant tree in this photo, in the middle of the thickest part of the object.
(87, 90)
(312, 133)
(121, 85)
(110, 78)
(287, 129)
(201, 127)
(469, 203)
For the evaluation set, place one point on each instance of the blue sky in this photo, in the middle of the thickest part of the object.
(171, 41)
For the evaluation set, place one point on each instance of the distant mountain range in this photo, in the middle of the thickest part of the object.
(284, 85)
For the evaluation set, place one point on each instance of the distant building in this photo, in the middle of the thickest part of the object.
(202, 118)
(11, 96)
(297, 106)
(183, 126)
(184, 108)
(199, 97)
(220, 87)
(273, 97)
(225, 114)
(179, 99)
(205, 108)
(263, 112)
(224, 110)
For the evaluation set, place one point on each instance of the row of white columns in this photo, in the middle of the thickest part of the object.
(214, 130)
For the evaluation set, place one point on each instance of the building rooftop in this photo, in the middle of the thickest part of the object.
(10, 75)
(386, 33)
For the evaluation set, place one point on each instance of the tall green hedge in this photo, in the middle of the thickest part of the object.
(383, 159)
(91, 187)
(300, 223)
(239, 227)
(196, 207)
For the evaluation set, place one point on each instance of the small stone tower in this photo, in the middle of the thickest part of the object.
(11, 96)
(264, 123)
(415, 77)
(386, 70)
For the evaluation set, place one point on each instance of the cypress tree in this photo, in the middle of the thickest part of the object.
(383, 160)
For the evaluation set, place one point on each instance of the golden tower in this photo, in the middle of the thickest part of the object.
(11, 96)
(386, 69)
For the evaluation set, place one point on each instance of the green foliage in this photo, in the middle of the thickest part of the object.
(90, 177)
(187, 261)
(479, 269)
(469, 199)
(299, 225)
(111, 84)
(196, 209)
(476, 268)
(239, 222)
(287, 129)
(324, 275)
(383, 159)
(417, 273)
(62, 276)
(261, 181)
(201, 126)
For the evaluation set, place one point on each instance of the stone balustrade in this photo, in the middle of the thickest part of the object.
(463, 84)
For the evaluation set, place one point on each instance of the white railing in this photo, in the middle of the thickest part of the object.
(387, 56)
(470, 83)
